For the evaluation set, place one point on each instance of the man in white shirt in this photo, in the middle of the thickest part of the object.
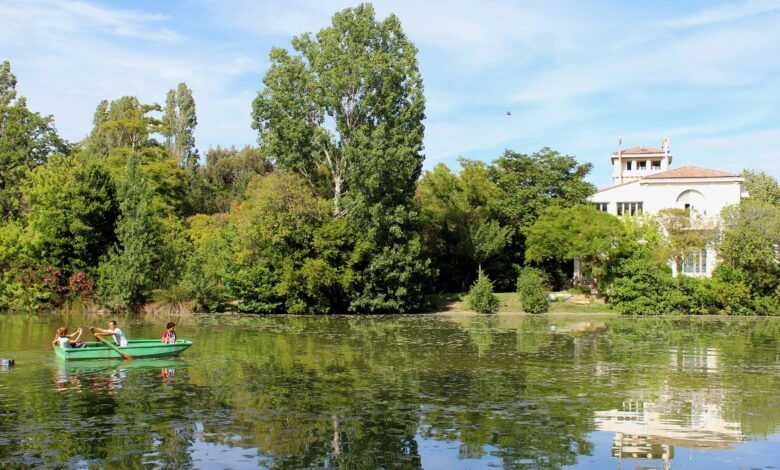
(119, 336)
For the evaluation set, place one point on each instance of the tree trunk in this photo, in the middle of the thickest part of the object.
(338, 191)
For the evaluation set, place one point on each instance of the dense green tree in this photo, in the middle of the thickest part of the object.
(644, 286)
(761, 186)
(72, 214)
(126, 277)
(227, 173)
(349, 107)
(459, 226)
(349, 104)
(274, 231)
(393, 278)
(579, 231)
(749, 245)
(27, 139)
(125, 128)
(210, 262)
(528, 184)
(124, 123)
(531, 183)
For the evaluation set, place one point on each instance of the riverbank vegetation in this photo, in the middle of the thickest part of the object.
(331, 212)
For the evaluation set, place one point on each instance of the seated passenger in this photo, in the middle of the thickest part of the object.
(119, 336)
(169, 335)
(65, 340)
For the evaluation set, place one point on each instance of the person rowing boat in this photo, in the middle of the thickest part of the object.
(113, 330)
(65, 340)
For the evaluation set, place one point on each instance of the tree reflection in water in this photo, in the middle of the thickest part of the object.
(379, 392)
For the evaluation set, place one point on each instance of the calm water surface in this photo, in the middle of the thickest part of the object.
(402, 392)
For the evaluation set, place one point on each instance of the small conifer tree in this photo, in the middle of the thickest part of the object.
(481, 298)
(532, 291)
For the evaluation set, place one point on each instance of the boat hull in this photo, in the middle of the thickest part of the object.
(136, 349)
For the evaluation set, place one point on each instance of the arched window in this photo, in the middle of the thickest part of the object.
(691, 200)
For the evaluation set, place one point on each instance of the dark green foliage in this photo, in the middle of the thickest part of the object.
(72, 214)
(27, 139)
(227, 174)
(565, 233)
(749, 244)
(481, 298)
(700, 296)
(460, 230)
(394, 279)
(643, 286)
(531, 183)
(347, 108)
(481, 215)
(126, 278)
(532, 290)
(254, 287)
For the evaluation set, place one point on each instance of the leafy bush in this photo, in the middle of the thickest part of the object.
(481, 298)
(532, 290)
(698, 296)
(254, 288)
(206, 270)
(767, 305)
(644, 286)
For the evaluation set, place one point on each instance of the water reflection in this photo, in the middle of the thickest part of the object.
(651, 428)
(405, 392)
(107, 375)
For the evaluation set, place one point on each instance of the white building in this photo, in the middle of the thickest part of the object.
(643, 181)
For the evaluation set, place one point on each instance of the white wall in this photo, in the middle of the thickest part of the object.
(663, 194)
(708, 198)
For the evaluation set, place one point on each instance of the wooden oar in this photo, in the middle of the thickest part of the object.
(100, 338)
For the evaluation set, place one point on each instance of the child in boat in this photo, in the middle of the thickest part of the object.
(119, 336)
(65, 340)
(169, 335)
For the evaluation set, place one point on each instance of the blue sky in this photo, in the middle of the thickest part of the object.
(575, 75)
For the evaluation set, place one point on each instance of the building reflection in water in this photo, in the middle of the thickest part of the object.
(650, 428)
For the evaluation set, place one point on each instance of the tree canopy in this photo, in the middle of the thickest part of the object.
(348, 105)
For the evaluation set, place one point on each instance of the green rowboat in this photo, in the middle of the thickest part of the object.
(135, 348)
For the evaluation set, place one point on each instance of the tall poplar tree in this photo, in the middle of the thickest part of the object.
(347, 107)
(128, 276)
(179, 122)
(348, 104)
(7, 84)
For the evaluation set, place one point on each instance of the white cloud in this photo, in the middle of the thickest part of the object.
(69, 56)
(727, 12)
(574, 75)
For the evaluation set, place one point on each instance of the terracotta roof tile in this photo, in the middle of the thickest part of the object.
(691, 172)
(640, 151)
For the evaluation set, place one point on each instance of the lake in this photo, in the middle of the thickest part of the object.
(434, 392)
